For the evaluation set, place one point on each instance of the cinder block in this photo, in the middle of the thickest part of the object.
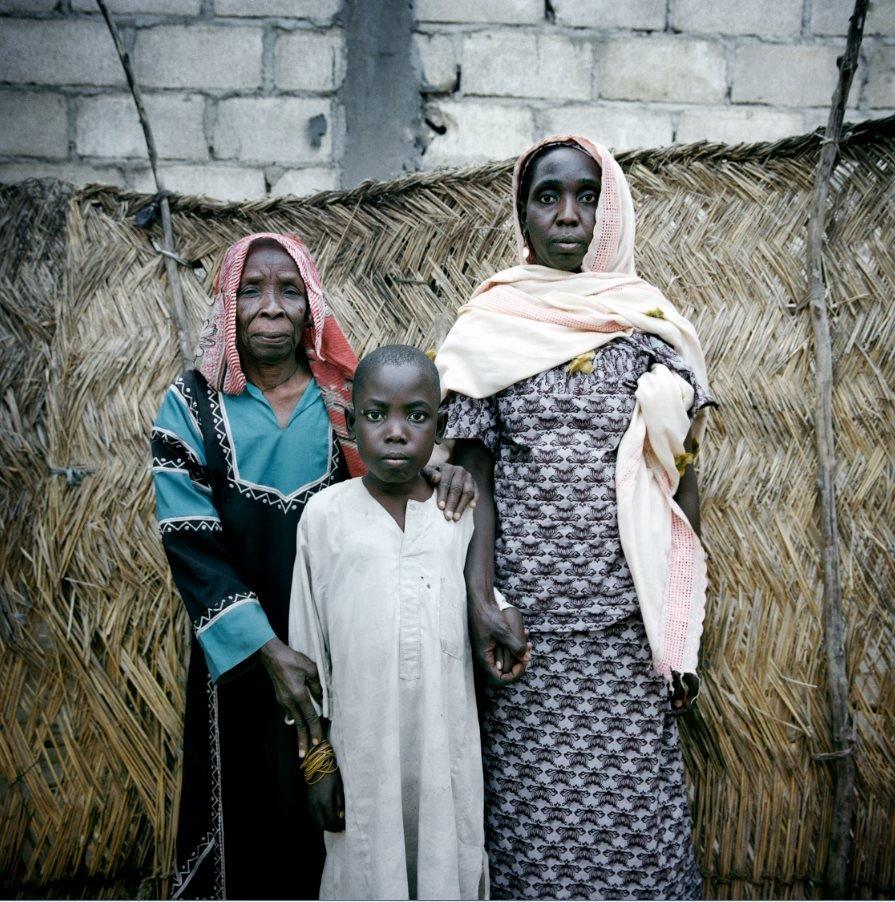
(198, 56)
(76, 173)
(135, 7)
(476, 132)
(831, 17)
(107, 126)
(303, 182)
(817, 118)
(512, 12)
(661, 68)
(27, 6)
(643, 14)
(732, 125)
(781, 18)
(273, 130)
(34, 125)
(221, 182)
(438, 61)
(512, 64)
(880, 91)
(310, 61)
(785, 74)
(57, 52)
(617, 126)
(319, 11)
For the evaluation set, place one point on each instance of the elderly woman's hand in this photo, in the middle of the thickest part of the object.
(457, 490)
(294, 677)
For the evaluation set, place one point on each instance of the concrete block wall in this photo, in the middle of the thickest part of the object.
(245, 96)
(640, 73)
(241, 94)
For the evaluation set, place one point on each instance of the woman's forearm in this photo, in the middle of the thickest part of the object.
(687, 498)
(475, 457)
(687, 494)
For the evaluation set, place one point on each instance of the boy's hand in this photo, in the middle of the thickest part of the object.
(326, 799)
(500, 643)
(456, 488)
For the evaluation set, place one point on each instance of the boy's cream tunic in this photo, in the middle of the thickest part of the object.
(383, 613)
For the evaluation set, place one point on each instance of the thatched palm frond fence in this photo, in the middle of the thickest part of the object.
(93, 637)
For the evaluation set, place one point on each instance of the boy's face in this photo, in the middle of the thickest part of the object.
(396, 422)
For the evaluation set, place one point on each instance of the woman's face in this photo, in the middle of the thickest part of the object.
(271, 305)
(559, 213)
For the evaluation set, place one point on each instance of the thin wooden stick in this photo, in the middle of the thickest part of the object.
(178, 310)
(842, 756)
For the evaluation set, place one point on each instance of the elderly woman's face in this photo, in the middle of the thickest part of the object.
(271, 305)
(561, 207)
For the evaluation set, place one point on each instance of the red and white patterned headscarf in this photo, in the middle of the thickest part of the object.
(330, 356)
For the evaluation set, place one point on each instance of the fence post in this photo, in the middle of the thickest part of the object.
(842, 755)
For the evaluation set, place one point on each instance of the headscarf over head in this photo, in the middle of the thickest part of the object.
(330, 356)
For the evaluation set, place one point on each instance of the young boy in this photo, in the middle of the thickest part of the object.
(379, 602)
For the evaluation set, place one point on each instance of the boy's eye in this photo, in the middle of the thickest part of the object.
(374, 416)
(417, 416)
(546, 198)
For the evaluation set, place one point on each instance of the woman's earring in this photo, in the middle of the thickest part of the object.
(525, 252)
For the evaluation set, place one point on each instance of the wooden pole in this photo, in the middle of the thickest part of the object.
(842, 755)
(178, 310)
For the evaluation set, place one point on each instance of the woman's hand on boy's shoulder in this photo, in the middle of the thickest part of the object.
(326, 799)
(455, 486)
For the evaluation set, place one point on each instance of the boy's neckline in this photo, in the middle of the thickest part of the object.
(396, 505)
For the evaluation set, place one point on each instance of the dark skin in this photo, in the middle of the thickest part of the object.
(558, 218)
(396, 423)
(271, 314)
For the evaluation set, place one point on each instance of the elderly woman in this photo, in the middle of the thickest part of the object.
(574, 384)
(239, 446)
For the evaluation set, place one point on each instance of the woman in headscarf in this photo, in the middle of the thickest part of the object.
(239, 446)
(573, 386)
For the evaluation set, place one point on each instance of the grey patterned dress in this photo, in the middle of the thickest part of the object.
(584, 782)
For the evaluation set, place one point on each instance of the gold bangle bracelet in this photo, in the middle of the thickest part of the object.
(320, 762)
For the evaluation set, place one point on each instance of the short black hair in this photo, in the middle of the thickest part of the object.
(397, 355)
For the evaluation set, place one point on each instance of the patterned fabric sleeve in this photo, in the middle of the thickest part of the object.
(226, 615)
(665, 354)
(471, 418)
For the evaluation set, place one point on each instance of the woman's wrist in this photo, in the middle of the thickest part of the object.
(268, 651)
(481, 599)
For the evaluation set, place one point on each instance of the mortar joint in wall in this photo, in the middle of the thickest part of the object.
(209, 120)
(728, 48)
(806, 19)
(268, 52)
(71, 115)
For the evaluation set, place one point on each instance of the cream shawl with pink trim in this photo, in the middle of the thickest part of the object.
(528, 319)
